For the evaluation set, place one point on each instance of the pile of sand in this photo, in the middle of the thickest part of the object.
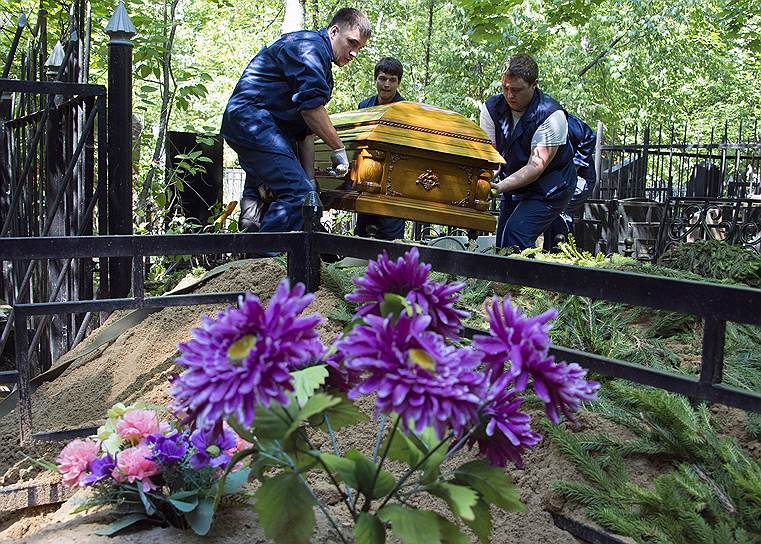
(136, 366)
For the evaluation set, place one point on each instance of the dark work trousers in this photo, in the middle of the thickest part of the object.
(284, 176)
(525, 219)
(563, 224)
(387, 228)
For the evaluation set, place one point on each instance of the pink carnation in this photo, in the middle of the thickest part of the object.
(137, 424)
(241, 444)
(136, 464)
(74, 460)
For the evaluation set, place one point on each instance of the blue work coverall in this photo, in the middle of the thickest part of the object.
(527, 212)
(263, 121)
(583, 139)
(388, 228)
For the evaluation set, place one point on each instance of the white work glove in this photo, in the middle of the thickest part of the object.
(340, 163)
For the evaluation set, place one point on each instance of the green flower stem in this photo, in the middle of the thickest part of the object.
(458, 446)
(379, 437)
(414, 469)
(333, 442)
(368, 500)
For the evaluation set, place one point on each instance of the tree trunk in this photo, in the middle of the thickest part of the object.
(426, 79)
(293, 19)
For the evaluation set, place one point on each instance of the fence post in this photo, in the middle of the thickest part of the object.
(645, 154)
(304, 264)
(55, 165)
(598, 161)
(119, 29)
(613, 216)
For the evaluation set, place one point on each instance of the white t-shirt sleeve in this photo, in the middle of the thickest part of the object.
(553, 132)
(487, 124)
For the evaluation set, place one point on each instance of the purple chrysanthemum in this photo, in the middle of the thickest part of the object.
(408, 277)
(168, 450)
(562, 386)
(414, 373)
(100, 468)
(515, 338)
(524, 342)
(507, 432)
(212, 448)
(243, 358)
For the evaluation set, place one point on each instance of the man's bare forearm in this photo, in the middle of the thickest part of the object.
(306, 155)
(318, 121)
(537, 163)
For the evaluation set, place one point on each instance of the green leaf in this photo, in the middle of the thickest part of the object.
(343, 414)
(344, 469)
(461, 499)
(365, 472)
(394, 305)
(184, 505)
(481, 524)
(315, 405)
(147, 503)
(235, 480)
(492, 483)
(369, 530)
(121, 524)
(411, 526)
(306, 382)
(285, 508)
(403, 449)
(431, 465)
(450, 533)
(200, 519)
(271, 423)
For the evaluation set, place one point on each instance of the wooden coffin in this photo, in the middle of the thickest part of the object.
(412, 161)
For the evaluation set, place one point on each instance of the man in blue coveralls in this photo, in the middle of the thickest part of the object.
(388, 76)
(583, 139)
(530, 131)
(276, 109)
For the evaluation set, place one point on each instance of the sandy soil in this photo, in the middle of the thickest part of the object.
(136, 367)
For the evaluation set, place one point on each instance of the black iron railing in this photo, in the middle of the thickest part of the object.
(716, 304)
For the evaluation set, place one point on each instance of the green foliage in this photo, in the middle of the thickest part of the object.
(285, 508)
(716, 260)
(369, 529)
(713, 494)
(410, 525)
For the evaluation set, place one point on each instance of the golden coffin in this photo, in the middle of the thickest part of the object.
(412, 161)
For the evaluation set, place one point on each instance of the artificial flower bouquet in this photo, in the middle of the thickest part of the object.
(153, 469)
(266, 373)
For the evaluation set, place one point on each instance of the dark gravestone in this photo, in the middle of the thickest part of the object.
(705, 181)
(201, 189)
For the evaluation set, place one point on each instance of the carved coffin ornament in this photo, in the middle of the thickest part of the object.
(428, 180)
(413, 161)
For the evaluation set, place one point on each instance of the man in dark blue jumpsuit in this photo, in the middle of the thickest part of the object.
(530, 130)
(277, 107)
(583, 139)
(388, 75)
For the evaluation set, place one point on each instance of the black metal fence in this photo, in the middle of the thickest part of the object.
(716, 304)
(54, 168)
(680, 161)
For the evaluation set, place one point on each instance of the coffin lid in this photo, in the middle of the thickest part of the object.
(416, 125)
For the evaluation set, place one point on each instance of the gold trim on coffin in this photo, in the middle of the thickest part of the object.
(414, 210)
